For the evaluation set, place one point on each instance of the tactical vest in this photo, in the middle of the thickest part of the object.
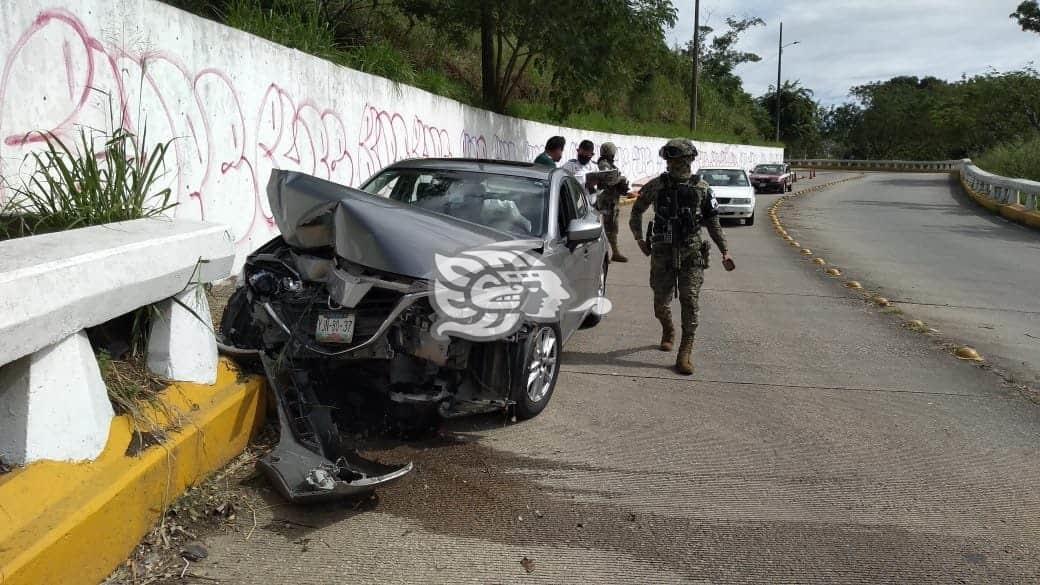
(677, 211)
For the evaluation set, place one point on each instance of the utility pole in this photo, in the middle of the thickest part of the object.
(696, 63)
(779, 61)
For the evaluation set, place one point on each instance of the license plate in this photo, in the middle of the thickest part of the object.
(335, 328)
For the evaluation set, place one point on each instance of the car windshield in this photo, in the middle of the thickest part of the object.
(769, 169)
(724, 177)
(516, 205)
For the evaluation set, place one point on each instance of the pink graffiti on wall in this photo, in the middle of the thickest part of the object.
(59, 78)
(222, 149)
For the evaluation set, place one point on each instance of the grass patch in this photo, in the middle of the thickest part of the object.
(136, 393)
(292, 23)
(1017, 160)
(103, 178)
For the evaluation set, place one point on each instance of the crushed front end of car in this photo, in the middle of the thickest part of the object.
(338, 311)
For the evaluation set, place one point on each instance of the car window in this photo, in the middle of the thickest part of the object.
(566, 211)
(769, 169)
(517, 205)
(724, 177)
(577, 196)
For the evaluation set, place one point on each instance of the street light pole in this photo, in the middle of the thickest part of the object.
(779, 61)
(779, 64)
(696, 63)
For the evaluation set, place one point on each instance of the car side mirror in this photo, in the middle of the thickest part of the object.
(579, 231)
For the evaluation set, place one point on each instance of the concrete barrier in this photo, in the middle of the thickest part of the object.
(53, 403)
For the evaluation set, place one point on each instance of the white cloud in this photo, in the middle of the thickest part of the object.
(850, 42)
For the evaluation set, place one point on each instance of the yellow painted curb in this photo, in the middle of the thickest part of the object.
(69, 523)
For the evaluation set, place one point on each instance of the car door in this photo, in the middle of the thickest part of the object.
(568, 260)
(591, 253)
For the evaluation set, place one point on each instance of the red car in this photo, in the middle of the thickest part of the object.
(772, 177)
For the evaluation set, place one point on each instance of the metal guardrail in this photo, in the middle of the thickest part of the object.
(1002, 190)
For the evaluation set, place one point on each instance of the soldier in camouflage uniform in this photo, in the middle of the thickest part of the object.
(678, 255)
(607, 201)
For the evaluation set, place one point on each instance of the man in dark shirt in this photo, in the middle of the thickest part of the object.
(553, 152)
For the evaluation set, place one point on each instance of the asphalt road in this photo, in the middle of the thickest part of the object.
(923, 244)
(817, 442)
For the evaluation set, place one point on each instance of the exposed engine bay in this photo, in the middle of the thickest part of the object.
(337, 337)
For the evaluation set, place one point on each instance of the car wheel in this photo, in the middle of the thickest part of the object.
(540, 370)
(789, 187)
(593, 318)
(750, 220)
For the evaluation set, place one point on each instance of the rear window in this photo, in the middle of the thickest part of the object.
(724, 177)
(516, 205)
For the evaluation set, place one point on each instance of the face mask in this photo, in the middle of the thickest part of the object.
(680, 167)
(584, 159)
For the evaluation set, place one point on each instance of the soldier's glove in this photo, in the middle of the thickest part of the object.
(644, 246)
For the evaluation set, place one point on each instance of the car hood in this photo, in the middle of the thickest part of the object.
(372, 231)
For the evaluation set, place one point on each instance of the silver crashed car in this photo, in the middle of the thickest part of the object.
(441, 288)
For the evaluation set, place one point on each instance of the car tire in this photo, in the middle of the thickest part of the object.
(789, 187)
(539, 370)
(750, 220)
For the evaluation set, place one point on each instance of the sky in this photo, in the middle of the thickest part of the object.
(844, 43)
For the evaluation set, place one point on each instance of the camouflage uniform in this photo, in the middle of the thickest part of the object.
(607, 201)
(696, 199)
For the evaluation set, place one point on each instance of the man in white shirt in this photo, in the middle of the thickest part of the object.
(583, 165)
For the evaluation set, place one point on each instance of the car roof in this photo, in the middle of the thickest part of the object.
(720, 169)
(479, 165)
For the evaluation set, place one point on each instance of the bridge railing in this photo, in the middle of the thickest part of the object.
(905, 166)
(1002, 190)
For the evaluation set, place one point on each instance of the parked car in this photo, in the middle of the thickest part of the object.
(773, 177)
(733, 191)
(343, 308)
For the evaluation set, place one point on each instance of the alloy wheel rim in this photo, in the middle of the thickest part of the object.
(542, 367)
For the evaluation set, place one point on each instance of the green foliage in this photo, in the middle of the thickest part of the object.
(800, 119)
(1028, 15)
(384, 60)
(298, 24)
(98, 182)
(1020, 159)
(927, 118)
(606, 62)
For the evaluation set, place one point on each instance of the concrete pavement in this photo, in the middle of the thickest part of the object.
(922, 243)
(818, 442)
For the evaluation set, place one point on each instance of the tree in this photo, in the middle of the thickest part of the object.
(591, 40)
(800, 118)
(1028, 15)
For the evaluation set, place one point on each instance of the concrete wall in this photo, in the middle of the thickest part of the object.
(237, 106)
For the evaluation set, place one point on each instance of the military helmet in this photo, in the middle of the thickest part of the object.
(607, 150)
(678, 148)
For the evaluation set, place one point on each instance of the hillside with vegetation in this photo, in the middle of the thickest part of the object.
(606, 66)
